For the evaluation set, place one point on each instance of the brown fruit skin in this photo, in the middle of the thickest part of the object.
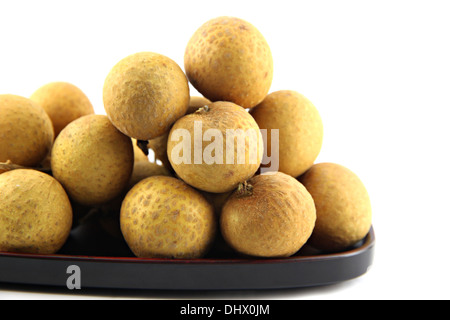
(274, 220)
(228, 59)
(300, 129)
(35, 212)
(216, 177)
(92, 160)
(163, 217)
(63, 102)
(159, 147)
(26, 131)
(217, 200)
(220, 248)
(145, 169)
(344, 214)
(144, 94)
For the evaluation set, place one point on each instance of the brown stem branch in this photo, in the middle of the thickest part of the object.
(143, 145)
(244, 189)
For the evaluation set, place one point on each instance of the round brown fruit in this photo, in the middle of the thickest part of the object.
(26, 131)
(271, 216)
(163, 217)
(159, 144)
(228, 59)
(218, 200)
(35, 212)
(109, 218)
(144, 94)
(344, 214)
(145, 169)
(63, 102)
(220, 248)
(92, 160)
(159, 147)
(218, 163)
(300, 130)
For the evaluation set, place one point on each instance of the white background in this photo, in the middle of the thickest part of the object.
(378, 72)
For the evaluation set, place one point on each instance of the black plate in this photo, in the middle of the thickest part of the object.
(106, 262)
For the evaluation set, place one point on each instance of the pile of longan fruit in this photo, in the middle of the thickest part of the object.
(56, 153)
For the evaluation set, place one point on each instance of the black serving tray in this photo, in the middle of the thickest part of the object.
(106, 262)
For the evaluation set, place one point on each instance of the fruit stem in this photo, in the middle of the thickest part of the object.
(244, 189)
(143, 145)
(205, 108)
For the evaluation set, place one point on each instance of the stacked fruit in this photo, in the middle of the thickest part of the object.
(214, 182)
